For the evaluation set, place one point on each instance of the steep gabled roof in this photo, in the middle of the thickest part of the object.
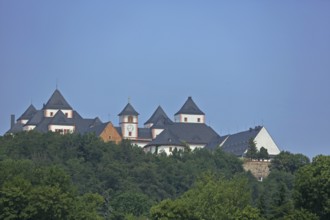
(57, 101)
(28, 114)
(190, 108)
(128, 110)
(238, 143)
(216, 142)
(36, 119)
(98, 129)
(159, 113)
(193, 133)
(166, 138)
(162, 122)
(18, 127)
(61, 119)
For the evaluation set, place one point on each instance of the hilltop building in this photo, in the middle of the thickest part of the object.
(159, 134)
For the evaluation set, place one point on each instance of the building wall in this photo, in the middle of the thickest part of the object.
(156, 132)
(263, 139)
(183, 118)
(52, 112)
(29, 127)
(163, 149)
(110, 134)
(196, 146)
(63, 129)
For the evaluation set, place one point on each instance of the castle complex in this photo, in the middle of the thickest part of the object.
(159, 134)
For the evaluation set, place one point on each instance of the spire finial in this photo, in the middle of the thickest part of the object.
(56, 83)
(129, 100)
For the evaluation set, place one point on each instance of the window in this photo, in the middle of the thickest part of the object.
(198, 119)
(130, 119)
(170, 149)
(185, 119)
(130, 133)
(51, 114)
(66, 114)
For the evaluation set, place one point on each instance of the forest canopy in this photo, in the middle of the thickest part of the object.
(73, 176)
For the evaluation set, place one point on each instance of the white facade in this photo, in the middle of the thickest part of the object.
(184, 118)
(129, 126)
(52, 112)
(163, 149)
(62, 129)
(196, 146)
(155, 132)
(263, 139)
(28, 127)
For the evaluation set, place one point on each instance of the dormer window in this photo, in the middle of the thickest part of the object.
(198, 119)
(51, 114)
(185, 119)
(66, 115)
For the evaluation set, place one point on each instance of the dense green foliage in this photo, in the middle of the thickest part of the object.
(52, 176)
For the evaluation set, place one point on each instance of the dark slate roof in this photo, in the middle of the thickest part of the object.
(42, 126)
(60, 119)
(84, 125)
(238, 143)
(144, 133)
(36, 119)
(28, 114)
(162, 122)
(193, 133)
(190, 108)
(98, 129)
(128, 110)
(57, 101)
(215, 142)
(166, 138)
(159, 113)
(18, 127)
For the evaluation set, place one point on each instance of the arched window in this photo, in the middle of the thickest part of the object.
(130, 119)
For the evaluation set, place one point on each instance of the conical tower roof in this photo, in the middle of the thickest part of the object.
(190, 108)
(28, 114)
(128, 110)
(57, 101)
(157, 115)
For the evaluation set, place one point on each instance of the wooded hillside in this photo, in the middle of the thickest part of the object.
(45, 176)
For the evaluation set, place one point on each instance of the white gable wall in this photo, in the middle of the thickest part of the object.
(263, 139)
(52, 112)
(183, 118)
(63, 129)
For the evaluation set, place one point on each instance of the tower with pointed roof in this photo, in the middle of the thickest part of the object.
(128, 121)
(189, 113)
(55, 103)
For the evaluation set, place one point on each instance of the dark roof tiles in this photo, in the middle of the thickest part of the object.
(157, 115)
(128, 110)
(28, 114)
(190, 108)
(57, 101)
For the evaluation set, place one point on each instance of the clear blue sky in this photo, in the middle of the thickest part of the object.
(244, 62)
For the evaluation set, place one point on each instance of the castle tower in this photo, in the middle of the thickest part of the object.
(189, 113)
(128, 121)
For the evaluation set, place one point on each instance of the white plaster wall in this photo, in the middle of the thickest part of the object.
(28, 127)
(263, 139)
(156, 132)
(23, 121)
(54, 127)
(190, 118)
(48, 112)
(149, 125)
(196, 146)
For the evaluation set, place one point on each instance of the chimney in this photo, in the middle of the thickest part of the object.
(12, 121)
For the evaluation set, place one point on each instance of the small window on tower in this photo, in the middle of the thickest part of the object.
(198, 119)
(185, 119)
(130, 119)
(130, 133)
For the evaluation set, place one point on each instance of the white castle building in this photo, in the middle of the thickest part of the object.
(158, 135)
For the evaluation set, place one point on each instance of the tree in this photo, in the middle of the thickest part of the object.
(252, 151)
(288, 162)
(312, 187)
(263, 154)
